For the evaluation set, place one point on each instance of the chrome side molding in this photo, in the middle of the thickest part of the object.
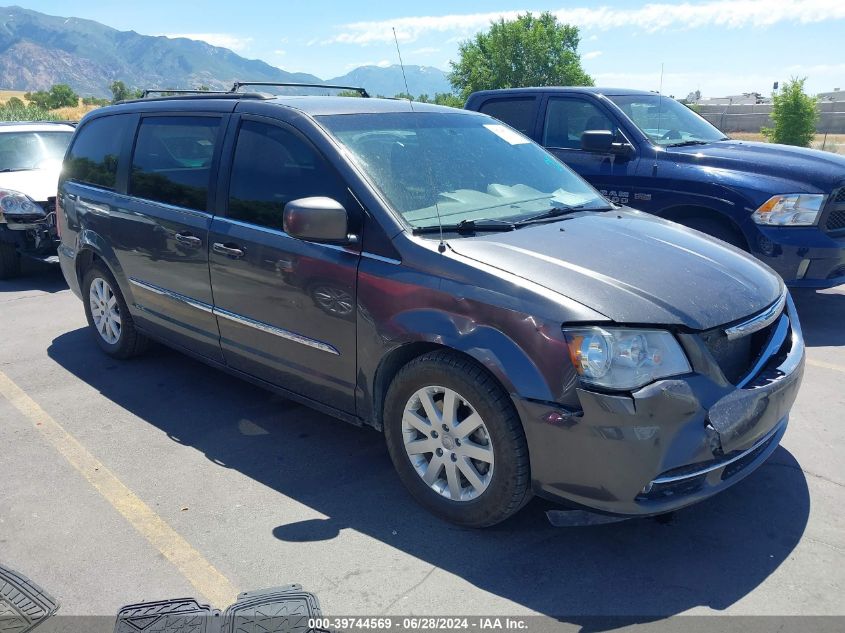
(234, 317)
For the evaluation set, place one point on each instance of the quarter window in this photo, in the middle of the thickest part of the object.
(172, 160)
(568, 119)
(95, 154)
(518, 113)
(273, 166)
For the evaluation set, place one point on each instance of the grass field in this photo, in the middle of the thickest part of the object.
(69, 114)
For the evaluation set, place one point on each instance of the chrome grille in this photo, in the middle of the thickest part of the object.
(736, 356)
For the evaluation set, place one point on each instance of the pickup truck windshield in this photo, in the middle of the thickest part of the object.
(467, 167)
(665, 121)
(22, 151)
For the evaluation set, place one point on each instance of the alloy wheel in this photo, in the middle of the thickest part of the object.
(447, 443)
(105, 310)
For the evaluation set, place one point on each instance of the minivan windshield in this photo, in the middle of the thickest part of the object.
(666, 121)
(22, 151)
(466, 167)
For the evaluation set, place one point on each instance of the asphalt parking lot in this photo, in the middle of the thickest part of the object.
(226, 487)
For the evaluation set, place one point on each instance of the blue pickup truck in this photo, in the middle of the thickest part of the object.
(786, 205)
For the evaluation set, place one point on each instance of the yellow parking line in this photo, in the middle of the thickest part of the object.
(824, 365)
(213, 585)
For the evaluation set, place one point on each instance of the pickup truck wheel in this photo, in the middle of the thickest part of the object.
(108, 316)
(456, 440)
(10, 261)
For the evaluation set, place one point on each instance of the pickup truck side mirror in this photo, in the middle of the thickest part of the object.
(601, 142)
(317, 219)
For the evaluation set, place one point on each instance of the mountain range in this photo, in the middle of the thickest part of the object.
(38, 51)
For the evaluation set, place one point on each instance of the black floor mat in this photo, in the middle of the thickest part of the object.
(23, 604)
(184, 615)
(286, 609)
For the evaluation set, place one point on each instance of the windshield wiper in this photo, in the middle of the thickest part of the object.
(557, 211)
(9, 169)
(685, 143)
(467, 226)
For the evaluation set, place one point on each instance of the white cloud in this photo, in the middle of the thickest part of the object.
(648, 17)
(593, 38)
(591, 55)
(226, 40)
(383, 63)
(280, 52)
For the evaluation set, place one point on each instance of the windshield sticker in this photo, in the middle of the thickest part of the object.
(507, 134)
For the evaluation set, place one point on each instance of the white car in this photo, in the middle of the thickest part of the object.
(30, 160)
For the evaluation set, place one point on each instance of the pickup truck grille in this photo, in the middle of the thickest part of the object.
(835, 222)
(736, 357)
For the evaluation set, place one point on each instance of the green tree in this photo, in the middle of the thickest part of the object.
(15, 104)
(40, 99)
(448, 99)
(62, 96)
(528, 51)
(795, 115)
(121, 93)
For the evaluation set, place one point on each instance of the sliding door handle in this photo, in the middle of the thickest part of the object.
(189, 240)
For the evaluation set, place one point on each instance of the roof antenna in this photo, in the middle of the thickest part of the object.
(442, 246)
(402, 66)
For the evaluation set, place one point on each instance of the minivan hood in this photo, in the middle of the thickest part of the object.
(632, 267)
(38, 184)
(822, 171)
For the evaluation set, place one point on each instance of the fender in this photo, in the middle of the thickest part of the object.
(89, 240)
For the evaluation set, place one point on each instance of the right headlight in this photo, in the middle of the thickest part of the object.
(794, 209)
(14, 204)
(624, 358)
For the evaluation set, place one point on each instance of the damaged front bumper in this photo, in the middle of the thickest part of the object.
(671, 443)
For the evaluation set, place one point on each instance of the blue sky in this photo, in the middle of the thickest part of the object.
(718, 46)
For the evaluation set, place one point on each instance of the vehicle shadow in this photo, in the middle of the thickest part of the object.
(822, 314)
(712, 554)
(35, 276)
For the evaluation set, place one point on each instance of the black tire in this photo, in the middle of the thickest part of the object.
(130, 342)
(10, 261)
(509, 486)
(715, 228)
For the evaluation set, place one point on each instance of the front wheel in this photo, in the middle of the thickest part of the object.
(456, 440)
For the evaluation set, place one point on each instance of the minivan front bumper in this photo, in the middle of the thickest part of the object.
(667, 445)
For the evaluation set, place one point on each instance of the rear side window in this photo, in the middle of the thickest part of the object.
(93, 158)
(273, 166)
(518, 112)
(172, 160)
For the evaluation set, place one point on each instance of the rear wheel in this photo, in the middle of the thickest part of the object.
(108, 316)
(456, 440)
(10, 261)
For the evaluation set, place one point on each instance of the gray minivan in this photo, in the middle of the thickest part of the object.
(433, 274)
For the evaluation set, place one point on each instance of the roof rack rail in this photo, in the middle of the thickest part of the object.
(238, 84)
(180, 91)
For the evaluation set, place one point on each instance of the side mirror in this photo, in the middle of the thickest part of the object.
(597, 141)
(601, 142)
(317, 219)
